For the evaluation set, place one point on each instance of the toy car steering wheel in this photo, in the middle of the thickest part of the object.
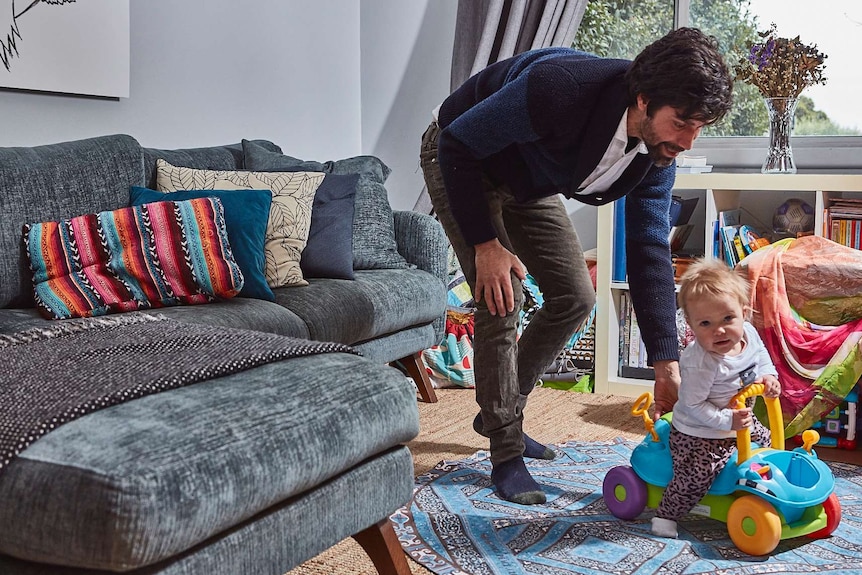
(640, 409)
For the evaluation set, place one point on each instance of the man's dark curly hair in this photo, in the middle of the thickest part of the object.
(684, 70)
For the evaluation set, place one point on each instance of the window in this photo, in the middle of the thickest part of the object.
(828, 130)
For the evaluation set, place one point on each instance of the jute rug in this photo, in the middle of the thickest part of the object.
(446, 433)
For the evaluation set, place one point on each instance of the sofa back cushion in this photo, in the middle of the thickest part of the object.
(140, 257)
(374, 245)
(227, 157)
(53, 182)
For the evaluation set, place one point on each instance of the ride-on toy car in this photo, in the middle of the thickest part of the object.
(763, 494)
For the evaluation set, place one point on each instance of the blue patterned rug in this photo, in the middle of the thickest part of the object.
(455, 525)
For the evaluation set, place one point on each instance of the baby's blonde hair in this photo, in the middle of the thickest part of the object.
(712, 277)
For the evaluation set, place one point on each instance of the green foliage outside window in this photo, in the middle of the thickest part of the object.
(621, 28)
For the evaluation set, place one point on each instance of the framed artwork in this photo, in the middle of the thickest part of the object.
(66, 46)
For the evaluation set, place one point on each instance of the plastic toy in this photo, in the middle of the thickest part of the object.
(838, 427)
(763, 494)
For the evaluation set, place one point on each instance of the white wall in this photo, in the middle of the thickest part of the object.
(324, 79)
(405, 75)
(209, 72)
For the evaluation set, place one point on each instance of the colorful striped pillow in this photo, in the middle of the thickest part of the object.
(148, 256)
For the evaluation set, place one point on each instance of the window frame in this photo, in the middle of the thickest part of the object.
(813, 154)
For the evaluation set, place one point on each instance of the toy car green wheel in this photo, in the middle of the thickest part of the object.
(833, 517)
(753, 525)
(624, 492)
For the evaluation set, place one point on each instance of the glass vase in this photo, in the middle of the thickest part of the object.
(779, 159)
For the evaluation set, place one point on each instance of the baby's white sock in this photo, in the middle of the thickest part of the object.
(664, 527)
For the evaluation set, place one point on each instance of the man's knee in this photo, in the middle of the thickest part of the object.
(570, 307)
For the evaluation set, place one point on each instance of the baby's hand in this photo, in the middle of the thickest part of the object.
(773, 388)
(742, 419)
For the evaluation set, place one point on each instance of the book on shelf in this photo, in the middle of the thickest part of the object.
(681, 210)
(693, 169)
(678, 236)
(728, 242)
(618, 265)
(841, 221)
(725, 228)
(730, 217)
(686, 164)
(690, 161)
(751, 240)
(632, 351)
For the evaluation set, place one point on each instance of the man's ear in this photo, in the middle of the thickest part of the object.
(642, 102)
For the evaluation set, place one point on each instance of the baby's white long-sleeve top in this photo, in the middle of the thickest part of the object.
(710, 380)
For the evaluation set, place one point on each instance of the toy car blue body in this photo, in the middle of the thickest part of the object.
(772, 494)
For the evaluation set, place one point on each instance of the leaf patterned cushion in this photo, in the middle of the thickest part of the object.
(374, 244)
(148, 256)
(289, 215)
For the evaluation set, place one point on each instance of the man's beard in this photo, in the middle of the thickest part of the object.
(658, 157)
(657, 150)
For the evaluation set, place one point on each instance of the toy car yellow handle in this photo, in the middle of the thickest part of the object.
(640, 409)
(773, 410)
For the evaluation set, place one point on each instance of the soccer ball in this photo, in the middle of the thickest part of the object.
(792, 217)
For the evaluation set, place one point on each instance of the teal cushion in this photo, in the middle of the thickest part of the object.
(329, 251)
(246, 213)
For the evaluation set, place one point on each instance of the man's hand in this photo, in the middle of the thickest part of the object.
(494, 265)
(666, 389)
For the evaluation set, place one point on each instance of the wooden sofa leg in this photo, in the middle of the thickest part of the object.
(416, 370)
(382, 546)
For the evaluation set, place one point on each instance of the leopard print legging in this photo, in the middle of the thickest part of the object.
(696, 464)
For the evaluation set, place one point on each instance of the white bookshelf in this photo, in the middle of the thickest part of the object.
(719, 192)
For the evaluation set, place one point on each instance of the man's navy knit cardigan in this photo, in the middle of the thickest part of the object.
(540, 122)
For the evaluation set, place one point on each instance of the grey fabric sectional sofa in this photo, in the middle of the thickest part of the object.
(251, 473)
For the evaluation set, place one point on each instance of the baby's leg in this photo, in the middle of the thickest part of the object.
(761, 434)
(696, 463)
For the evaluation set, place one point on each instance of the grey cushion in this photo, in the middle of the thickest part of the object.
(227, 157)
(270, 543)
(375, 303)
(329, 250)
(397, 345)
(142, 481)
(54, 182)
(374, 244)
(241, 313)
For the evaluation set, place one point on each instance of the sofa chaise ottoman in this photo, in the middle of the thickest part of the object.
(252, 472)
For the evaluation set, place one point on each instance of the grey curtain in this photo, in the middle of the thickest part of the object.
(488, 31)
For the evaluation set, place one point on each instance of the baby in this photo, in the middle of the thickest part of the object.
(727, 354)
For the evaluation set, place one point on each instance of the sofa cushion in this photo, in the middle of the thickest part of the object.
(55, 182)
(375, 303)
(145, 480)
(329, 251)
(289, 216)
(246, 213)
(242, 313)
(226, 157)
(374, 244)
(154, 255)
